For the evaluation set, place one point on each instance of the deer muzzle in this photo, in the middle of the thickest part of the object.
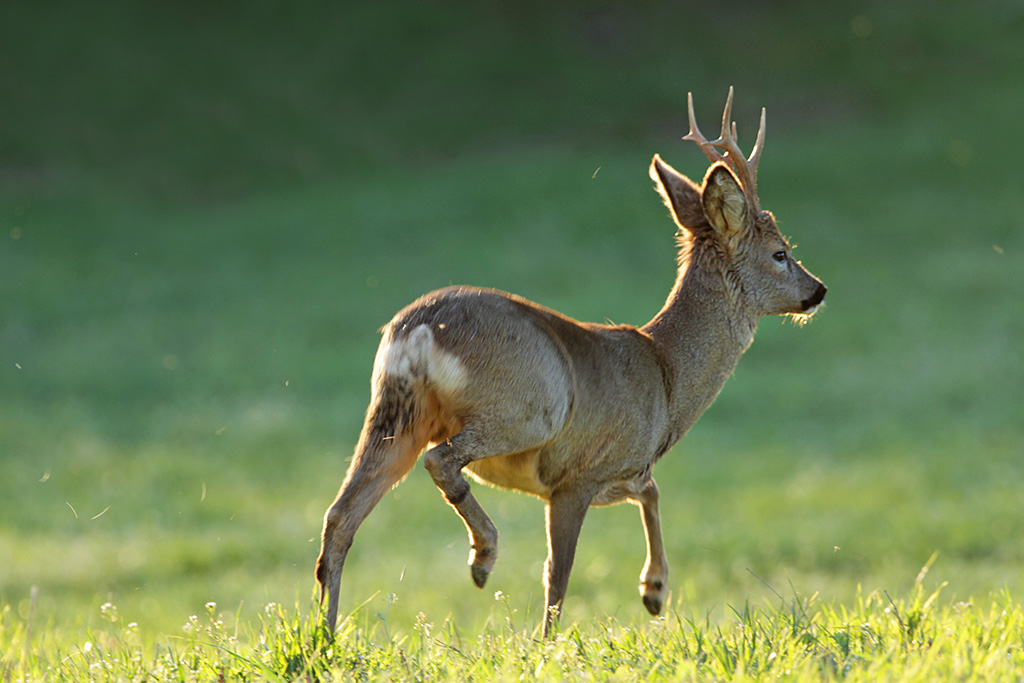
(811, 303)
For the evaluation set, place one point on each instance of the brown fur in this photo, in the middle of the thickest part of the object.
(577, 414)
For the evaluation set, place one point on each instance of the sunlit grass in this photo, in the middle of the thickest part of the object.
(876, 636)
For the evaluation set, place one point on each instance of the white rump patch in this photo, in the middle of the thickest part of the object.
(418, 356)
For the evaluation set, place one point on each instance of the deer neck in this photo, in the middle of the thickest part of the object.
(701, 332)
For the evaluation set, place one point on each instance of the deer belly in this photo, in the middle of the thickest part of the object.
(517, 471)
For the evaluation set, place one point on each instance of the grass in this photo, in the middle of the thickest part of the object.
(873, 638)
(204, 222)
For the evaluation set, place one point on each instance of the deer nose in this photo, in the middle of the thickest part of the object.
(816, 298)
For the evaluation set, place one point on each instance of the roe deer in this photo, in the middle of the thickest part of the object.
(574, 413)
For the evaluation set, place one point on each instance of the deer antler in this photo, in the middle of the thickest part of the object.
(745, 168)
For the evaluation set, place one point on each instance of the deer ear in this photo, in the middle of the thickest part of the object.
(680, 194)
(724, 202)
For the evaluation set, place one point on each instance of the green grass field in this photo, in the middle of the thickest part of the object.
(207, 212)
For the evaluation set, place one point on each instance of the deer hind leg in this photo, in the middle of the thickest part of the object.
(654, 577)
(444, 462)
(385, 454)
(564, 516)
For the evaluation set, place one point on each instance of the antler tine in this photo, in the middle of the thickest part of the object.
(726, 121)
(696, 136)
(755, 154)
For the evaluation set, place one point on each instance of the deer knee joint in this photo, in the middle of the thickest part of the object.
(457, 493)
(437, 465)
(446, 474)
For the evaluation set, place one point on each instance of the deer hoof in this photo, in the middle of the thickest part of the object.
(481, 562)
(480, 575)
(653, 595)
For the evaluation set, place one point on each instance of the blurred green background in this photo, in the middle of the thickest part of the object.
(208, 209)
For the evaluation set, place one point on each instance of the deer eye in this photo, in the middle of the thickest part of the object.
(780, 256)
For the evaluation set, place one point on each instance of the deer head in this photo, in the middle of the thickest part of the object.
(725, 231)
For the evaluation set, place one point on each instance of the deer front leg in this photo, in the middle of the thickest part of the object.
(445, 463)
(654, 577)
(564, 516)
